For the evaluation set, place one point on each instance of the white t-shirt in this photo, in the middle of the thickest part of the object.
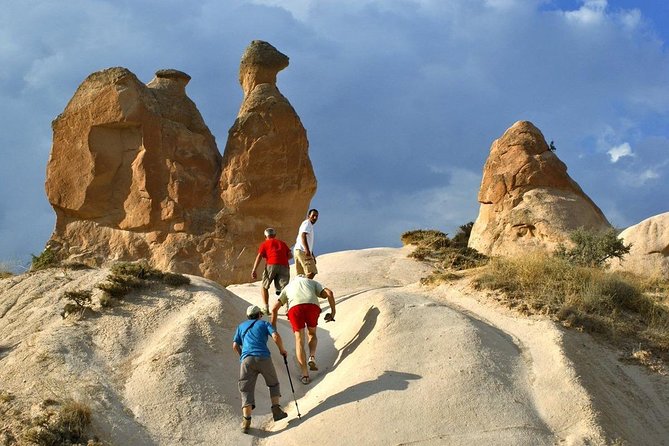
(301, 290)
(307, 227)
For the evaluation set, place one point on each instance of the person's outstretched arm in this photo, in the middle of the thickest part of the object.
(329, 295)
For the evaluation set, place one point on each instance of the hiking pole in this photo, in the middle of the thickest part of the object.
(285, 361)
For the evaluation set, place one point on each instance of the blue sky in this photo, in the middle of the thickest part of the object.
(401, 99)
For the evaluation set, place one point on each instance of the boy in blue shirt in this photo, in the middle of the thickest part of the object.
(250, 342)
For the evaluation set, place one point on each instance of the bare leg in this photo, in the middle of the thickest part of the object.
(313, 340)
(299, 350)
(265, 297)
(246, 410)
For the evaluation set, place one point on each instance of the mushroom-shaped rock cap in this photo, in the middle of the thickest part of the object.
(264, 55)
(171, 73)
(260, 64)
(170, 80)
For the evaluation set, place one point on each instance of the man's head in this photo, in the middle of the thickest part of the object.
(253, 312)
(313, 215)
(270, 233)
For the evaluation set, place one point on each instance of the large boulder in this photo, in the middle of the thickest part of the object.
(134, 172)
(649, 254)
(528, 201)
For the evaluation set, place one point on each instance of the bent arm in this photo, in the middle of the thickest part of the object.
(279, 343)
(236, 347)
(329, 295)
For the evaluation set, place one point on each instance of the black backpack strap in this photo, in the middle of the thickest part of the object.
(247, 329)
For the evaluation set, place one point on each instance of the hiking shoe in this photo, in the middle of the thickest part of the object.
(246, 424)
(312, 364)
(277, 413)
(265, 311)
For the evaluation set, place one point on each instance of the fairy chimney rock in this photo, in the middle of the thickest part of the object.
(267, 171)
(528, 201)
(134, 172)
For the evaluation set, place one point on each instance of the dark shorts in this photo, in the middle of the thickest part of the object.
(249, 369)
(303, 314)
(279, 274)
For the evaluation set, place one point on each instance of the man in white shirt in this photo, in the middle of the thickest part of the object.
(302, 297)
(305, 259)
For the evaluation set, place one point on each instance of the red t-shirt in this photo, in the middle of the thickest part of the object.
(274, 251)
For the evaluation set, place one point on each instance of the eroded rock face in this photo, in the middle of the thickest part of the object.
(134, 172)
(649, 254)
(528, 201)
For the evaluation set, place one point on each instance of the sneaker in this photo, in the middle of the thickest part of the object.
(277, 413)
(312, 364)
(265, 311)
(246, 424)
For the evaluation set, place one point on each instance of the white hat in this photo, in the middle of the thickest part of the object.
(252, 310)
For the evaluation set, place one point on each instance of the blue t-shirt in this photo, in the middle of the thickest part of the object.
(255, 340)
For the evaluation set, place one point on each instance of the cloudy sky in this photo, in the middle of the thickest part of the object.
(401, 99)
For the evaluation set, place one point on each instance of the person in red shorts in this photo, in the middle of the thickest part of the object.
(276, 254)
(301, 295)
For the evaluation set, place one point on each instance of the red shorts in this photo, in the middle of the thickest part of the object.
(303, 314)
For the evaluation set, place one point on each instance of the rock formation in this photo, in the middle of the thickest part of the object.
(528, 201)
(649, 254)
(134, 172)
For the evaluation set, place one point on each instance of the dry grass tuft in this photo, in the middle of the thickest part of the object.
(50, 423)
(620, 306)
(444, 254)
(126, 276)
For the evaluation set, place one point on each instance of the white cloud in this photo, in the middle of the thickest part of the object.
(631, 19)
(299, 9)
(591, 12)
(620, 151)
(648, 174)
(639, 179)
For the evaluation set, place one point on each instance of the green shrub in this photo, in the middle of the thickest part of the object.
(174, 279)
(114, 289)
(47, 259)
(461, 238)
(80, 302)
(593, 249)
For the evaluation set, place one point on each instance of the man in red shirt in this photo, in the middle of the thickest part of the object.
(276, 254)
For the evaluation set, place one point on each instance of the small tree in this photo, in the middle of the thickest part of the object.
(593, 249)
(461, 238)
